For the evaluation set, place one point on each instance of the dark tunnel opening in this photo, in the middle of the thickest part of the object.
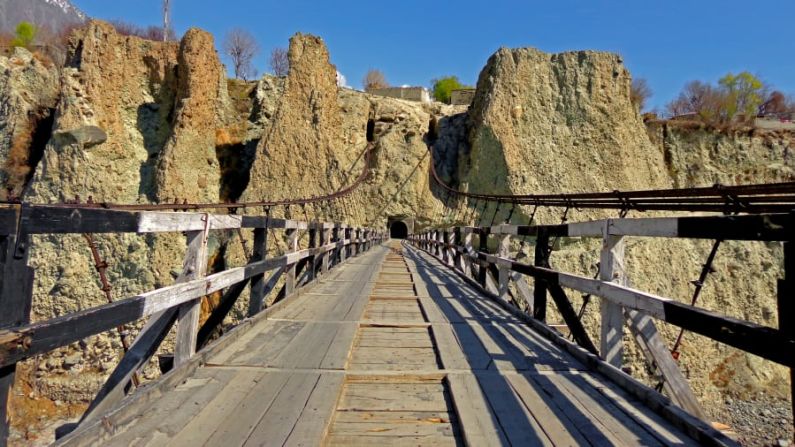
(398, 230)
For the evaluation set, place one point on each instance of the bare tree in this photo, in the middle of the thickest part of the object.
(374, 79)
(698, 98)
(640, 92)
(241, 46)
(279, 62)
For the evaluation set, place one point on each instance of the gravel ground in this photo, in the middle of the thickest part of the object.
(765, 422)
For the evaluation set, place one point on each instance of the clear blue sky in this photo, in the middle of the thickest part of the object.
(666, 42)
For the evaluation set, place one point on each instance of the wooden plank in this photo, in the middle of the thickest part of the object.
(616, 424)
(315, 418)
(257, 292)
(162, 222)
(550, 418)
(514, 418)
(450, 352)
(174, 410)
(392, 397)
(655, 424)
(308, 348)
(262, 349)
(194, 267)
(478, 425)
(676, 385)
(142, 349)
(278, 422)
(24, 342)
(540, 287)
(238, 424)
(202, 425)
(340, 348)
(570, 316)
(404, 441)
(611, 269)
(386, 429)
(569, 411)
(16, 295)
(292, 244)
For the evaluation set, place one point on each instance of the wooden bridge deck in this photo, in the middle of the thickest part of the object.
(394, 350)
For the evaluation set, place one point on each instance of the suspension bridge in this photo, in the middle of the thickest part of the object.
(353, 338)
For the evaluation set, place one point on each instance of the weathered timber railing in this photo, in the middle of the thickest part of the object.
(620, 304)
(330, 244)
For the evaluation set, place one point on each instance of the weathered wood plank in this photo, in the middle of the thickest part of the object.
(238, 424)
(550, 418)
(478, 426)
(278, 421)
(209, 418)
(675, 383)
(24, 342)
(194, 267)
(611, 269)
(316, 416)
(16, 295)
(516, 421)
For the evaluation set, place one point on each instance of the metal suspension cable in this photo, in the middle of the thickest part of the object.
(754, 198)
(204, 206)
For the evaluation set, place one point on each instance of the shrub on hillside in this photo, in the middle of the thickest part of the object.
(444, 86)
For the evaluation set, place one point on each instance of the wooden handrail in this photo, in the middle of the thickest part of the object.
(622, 304)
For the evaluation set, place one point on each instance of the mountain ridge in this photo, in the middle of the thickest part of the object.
(53, 15)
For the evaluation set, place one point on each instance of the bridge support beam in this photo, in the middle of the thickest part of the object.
(540, 285)
(16, 294)
(258, 281)
(611, 268)
(194, 267)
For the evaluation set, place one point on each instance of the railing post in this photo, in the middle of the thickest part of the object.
(504, 271)
(540, 286)
(444, 236)
(195, 267)
(16, 294)
(483, 246)
(611, 269)
(258, 281)
(311, 262)
(440, 246)
(348, 235)
(449, 238)
(466, 265)
(292, 246)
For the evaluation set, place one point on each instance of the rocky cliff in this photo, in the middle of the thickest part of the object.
(696, 154)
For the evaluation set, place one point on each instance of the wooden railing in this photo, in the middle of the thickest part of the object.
(330, 244)
(620, 304)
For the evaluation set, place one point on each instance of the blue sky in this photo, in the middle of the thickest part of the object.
(666, 42)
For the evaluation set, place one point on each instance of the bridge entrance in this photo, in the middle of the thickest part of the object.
(398, 230)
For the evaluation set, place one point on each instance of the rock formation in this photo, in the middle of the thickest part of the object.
(305, 134)
(699, 155)
(28, 95)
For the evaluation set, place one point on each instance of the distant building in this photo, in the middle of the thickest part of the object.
(419, 94)
(462, 96)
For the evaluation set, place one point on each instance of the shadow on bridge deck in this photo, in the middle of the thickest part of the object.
(391, 350)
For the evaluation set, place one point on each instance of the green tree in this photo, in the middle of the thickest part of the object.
(24, 35)
(744, 93)
(442, 87)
